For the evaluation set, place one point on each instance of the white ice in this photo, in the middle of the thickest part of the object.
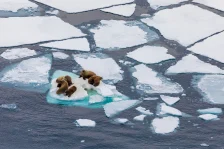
(143, 111)
(169, 100)
(215, 111)
(96, 99)
(17, 53)
(120, 34)
(60, 55)
(208, 117)
(11, 106)
(75, 6)
(15, 5)
(184, 26)
(211, 47)
(150, 54)
(139, 117)
(54, 12)
(85, 123)
(163, 109)
(204, 145)
(121, 120)
(114, 108)
(123, 10)
(217, 4)
(150, 81)
(80, 44)
(191, 64)
(158, 3)
(30, 30)
(165, 125)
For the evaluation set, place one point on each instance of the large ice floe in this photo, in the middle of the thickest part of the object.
(211, 47)
(86, 95)
(163, 109)
(80, 44)
(162, 3)
(211, 87)
(217, 4)
(191, 64)
(123, 10)
(216, 111)
(75, 6)
(169, 100)
(14, 6)
(121, 34)
(18, 53)
(165, 125)
(31, 74)
(30, 30)
(185, 30)
(151, 82)
(150, 54)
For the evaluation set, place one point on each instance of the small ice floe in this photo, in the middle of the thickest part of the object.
(96, 99)
(17, 53)
(85, 123)
(139, 117)
(120, 121)
(216, 4)
(169, 100)
(12, 106)
(150, 54)
(191, 64)
(216, 111)
(204, 145)
(14, 6)
(82, 141)
(151, 82)
(208, 117)
(123, 10)
(143, 111)
(150, 98)
(79, 44)
(184, 27)
(163, 109)
(114, 108)
(162, 3)
(60, 55)
(165, 125)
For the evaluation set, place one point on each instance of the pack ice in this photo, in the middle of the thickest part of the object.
(151, 82)
(75, 6)
(31, 74)
(217, 4)
(162, 3)
(123, 10)
(17, 53)
(150, 54)
(30, 30)
(174, 26)
(14, 6)
(127, 33)
(216, 111)
(191, 64)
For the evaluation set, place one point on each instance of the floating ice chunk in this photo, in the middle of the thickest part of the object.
(204, 144)
(123, 10)
(8, 106)
(150, 81)
(18, 53)
(139, 118)
(80, 44)
(211, 47)
(30, 30)
(165, 125)
(158, 3)
(163, 109)
(150, 54)
(82, 141)
(120, 120)
(76, 6)
(208, 117)
(143, 111)
(85, 123)
(14, 6)
(216, 111)
(217, 4)
(122, 34)
(96, 99)
(60, 55)
(191, 64)
(169, 100)
(114, 108)
(31, 74)
(186, 27)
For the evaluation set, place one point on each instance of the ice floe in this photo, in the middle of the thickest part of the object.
(159, 3)
(72, 6)
(139, 117)
(217, 4)
(204, 145)
(174, 26)
(143, 111)
(85, 123)
(17, 53)
(115, 34)
(80, 44)
(60, 55)
(208, 117)
(211, 47)
(216, 111)
(123, 10)
(150, 54)
(163, 109)
(114, 108)
(120, 120)
(30, 30)
(14, 6)
(165, 125)
(150, 98)
(31, 74)
(11, 106)
(191, 64)
(169, 100)
(151, 82)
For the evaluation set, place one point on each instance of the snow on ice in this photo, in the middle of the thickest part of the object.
(17, 53)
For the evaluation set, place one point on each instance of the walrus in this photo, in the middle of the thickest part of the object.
(85, 74)
(70, 90)
(67, 78)
(63, 85)
(95, 80)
